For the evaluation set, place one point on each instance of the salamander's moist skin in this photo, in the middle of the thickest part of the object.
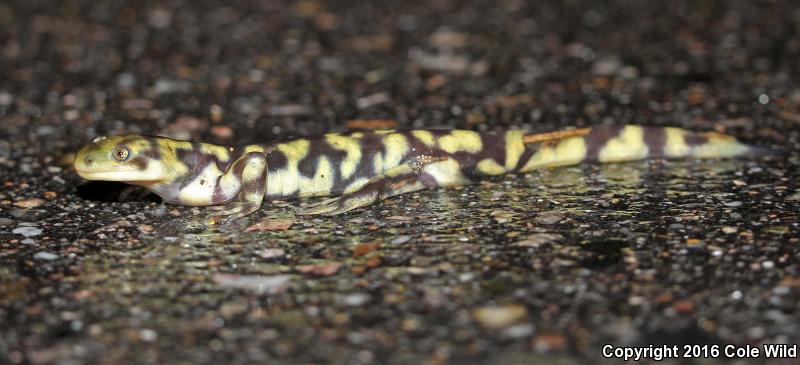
(362, 168)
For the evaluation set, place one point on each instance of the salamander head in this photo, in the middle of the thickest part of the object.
(131, 159)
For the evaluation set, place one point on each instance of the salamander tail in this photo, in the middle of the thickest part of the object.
(756, 152)
(618, 143)
(681, 143)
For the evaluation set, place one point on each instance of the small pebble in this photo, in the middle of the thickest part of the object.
(27, 231)
(356, 299)
(44, 255)
(499, 316)
(549, 342)
(401, 240)
(271, 253)
(270, 224)
(548, 218)
(326, 269)
(260, 283)
(29, 203)
(145, 228)
(364, 248)
(537, 239)
(519, 330)
(683, 306)
(222, 132)
(148, 335)
(781, 290)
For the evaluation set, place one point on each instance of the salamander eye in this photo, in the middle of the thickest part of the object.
(121, 153)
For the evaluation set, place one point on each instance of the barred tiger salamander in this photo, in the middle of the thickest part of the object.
(361, 168)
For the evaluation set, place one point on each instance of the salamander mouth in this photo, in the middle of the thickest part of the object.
(118, 174)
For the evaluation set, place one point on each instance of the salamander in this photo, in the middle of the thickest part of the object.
(361, 168)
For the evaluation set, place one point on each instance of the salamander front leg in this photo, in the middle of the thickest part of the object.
(241, 188)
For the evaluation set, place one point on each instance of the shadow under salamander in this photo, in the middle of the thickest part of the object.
(110, 191)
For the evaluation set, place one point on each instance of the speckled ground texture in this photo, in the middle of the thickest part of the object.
(545, 267)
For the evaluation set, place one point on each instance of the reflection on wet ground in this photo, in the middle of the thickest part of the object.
(536, 256)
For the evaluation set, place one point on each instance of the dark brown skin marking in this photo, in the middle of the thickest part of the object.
(153, 152)
(259, 185)
(320, 147)
(238, 167)
(494, 147)
(308, 165)
(530, 150)
(233, 154)
(219, 196)
(597, 139)
(415, 146)
(188, 157)
(197, 161)
(655, 139)
(140, 162)
(467, 162)
(428, 180)
(370, 144)
(276, 160)
(694, 139)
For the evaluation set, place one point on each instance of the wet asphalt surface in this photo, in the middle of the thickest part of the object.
(545, 267)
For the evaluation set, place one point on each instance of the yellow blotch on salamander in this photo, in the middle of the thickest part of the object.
(321, 183)
(628, 145)
(295, 150)
(396, 147)
(426, 137)
(719, 145)
(675, 145)
(377, 162)
(221, 153)
(514, 148)
(568, 151)
(489, 166)
(200, 191)
(447, 172)
(461, 141)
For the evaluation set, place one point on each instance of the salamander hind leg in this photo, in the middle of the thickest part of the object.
(420, 173)
(241, 189)
(398, 180)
